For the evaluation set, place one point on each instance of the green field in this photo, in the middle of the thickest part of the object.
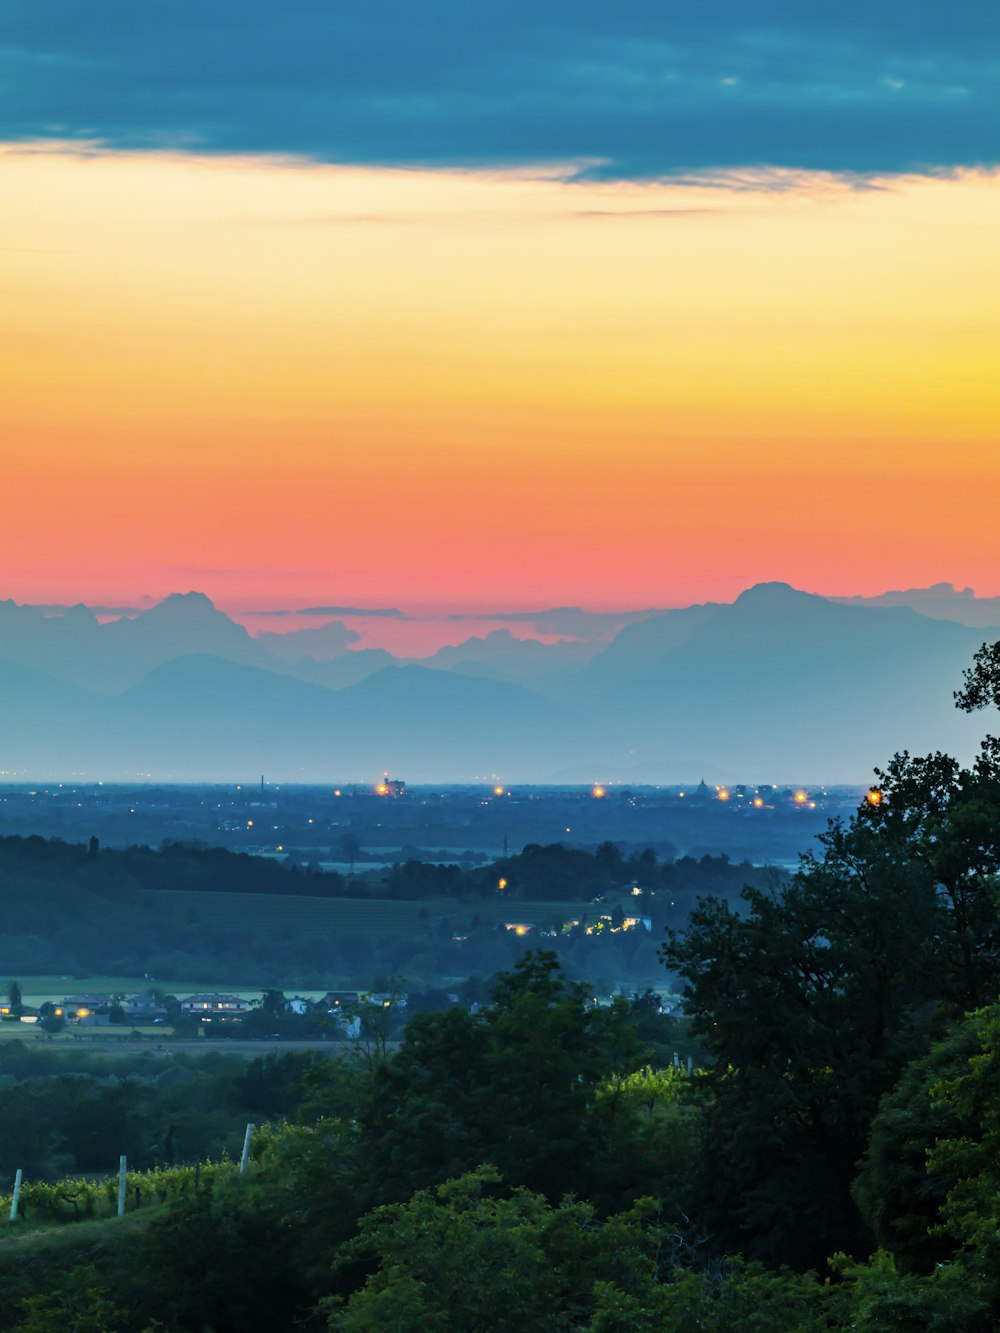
(364, 916)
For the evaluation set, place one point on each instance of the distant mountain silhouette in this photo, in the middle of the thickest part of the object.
(112, 656)
(941, 601)
(499, 655)
(780, 685)
(792, 684)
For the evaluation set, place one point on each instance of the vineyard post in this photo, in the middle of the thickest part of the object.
(16, 1196)
(246, 1147)
(122, 1161)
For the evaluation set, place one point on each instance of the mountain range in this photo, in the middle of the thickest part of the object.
(780, 685)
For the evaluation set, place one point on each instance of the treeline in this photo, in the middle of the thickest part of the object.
(112, 873)
(557, 873)
(550, 873)
(79, 910)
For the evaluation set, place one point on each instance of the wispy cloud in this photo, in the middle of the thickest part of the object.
(642, 214)
(391, 612)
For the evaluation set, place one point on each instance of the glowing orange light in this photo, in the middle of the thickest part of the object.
(800, 797)
(598, 792)
(723, 795)
(249, 823)
(382, 789)
(498, 791)
(336, 793)
(874, 797)
(520, 930)
(501, 884)
(757, 802)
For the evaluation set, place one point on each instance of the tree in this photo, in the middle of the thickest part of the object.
(472, 1255)
(16, 1002)
(810, 1004)
(900, 1197)
(971, 1156)
(982, 680)
(814, 999)
(513, 1085)
(77, 1305)
(350, 848)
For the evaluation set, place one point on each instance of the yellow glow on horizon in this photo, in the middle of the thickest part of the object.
(394, 342)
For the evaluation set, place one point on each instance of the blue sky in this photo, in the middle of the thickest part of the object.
(634, 89)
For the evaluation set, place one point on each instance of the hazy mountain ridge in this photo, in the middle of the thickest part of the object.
(779, 685)
(794, 683)
(114, 656)
(940, 601)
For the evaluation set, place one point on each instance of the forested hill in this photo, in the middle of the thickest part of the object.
(189, 910)
(112, 872)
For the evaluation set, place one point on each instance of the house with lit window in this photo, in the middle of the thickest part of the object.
(215, 1008)
(86, 1009)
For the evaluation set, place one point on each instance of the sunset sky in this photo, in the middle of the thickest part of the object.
(509, 306)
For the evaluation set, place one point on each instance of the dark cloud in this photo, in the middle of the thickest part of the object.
(641, 88)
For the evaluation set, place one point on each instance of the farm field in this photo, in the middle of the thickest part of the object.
(365, 916)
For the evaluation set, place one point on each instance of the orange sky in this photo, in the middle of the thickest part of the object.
(284, 384)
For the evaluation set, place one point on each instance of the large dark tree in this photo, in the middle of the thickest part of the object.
(982, 680)
(814, 999)
(512, 1085)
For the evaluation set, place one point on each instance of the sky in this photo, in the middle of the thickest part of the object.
(476, 306)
